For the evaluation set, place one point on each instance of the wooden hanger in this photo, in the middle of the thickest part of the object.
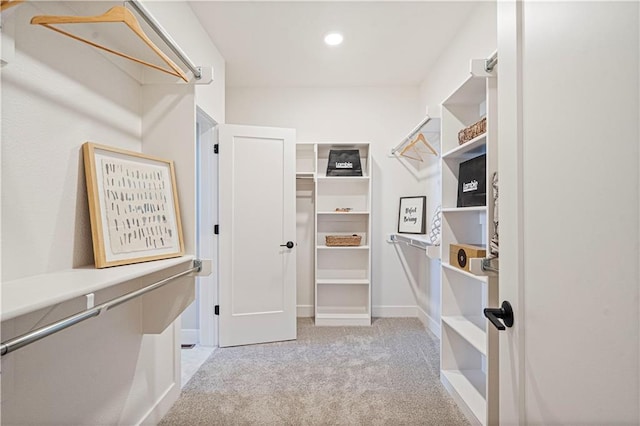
(6, 4)
(413, 147)
(115, 14)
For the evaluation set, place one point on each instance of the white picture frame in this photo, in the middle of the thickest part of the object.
(411, 215)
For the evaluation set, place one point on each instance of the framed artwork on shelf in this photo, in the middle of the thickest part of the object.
(412, 216)
(133, 205)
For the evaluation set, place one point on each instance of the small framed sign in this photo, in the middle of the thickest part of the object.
(412, 217)
(133, 206)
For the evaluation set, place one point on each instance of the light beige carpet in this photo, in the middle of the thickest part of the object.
(386, 374)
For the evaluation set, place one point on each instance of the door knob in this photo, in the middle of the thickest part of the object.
(504, 313)
(289, 245)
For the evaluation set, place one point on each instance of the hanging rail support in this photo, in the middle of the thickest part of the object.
(40, 333)
(157, 28)
(491, 62)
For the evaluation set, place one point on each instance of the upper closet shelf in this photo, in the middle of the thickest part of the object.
(30, 294)
(422, 142)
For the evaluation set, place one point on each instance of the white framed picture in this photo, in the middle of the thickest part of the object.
(411, 217)
(133, 205)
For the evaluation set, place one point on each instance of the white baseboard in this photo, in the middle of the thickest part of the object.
(304, 311)
(428, 322)
(162, 406)
(189, 336)
(394, 311)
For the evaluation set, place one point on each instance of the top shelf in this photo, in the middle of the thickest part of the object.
(25, 295)
(472, 92)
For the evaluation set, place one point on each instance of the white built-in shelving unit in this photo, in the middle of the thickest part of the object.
(469, 344)
(342, 274)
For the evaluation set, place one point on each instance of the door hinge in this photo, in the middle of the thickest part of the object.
(216, 229)
(216, 309)
(215, 148)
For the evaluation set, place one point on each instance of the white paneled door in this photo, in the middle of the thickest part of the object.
(257, 228)
(568, 83)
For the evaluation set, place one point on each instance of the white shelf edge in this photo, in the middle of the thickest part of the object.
(468, 329)
(464, 209)
(465, 273)
(325, 247)
(25, 295)
(341, 213)
(418, 241)
(320, 315)
(466, 147)
(341, 281)
(462, 385)
(326, 178)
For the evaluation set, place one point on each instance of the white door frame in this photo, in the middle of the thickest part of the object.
(207, 217)
(510, 153)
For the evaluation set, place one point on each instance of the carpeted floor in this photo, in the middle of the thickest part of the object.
(386, 374)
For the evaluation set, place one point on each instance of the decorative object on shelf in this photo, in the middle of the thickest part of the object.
(343, 240)
(473, 131)
(472, 182)
(436, 224)
(344, 162)
(133, 204)
(343, 209)
(494, 245)
(411, 217)
(459, 254)
(114, 15)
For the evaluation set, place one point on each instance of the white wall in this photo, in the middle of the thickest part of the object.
(57, 94)
(183, 25)
(477, 39)
(382, 116)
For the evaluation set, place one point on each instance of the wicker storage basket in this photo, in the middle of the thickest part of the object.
(473, 131)
(343, 240)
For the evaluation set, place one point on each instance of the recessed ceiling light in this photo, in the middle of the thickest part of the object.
(333, 39)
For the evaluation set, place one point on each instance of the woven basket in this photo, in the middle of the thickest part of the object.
(473, 131)
(343, 240)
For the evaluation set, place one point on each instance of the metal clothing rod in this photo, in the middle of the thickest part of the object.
(165, 37)
(410, 135)
(40, 333)
(491, 63)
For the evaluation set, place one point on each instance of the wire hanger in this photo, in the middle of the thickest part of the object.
(115, 14)
(413, 147)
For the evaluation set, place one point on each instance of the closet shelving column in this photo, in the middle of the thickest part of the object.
(343, 274)
(469, 344)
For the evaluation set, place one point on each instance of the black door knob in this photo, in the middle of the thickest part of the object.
(289, 245)
(504, 313)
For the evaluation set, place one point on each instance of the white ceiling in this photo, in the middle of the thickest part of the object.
(280, 44)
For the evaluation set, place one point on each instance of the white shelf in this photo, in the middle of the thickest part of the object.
(305, 175)
(325, 247)
(325, 178)
(472, 329)
(465, 273)
(464, 209)
(342, 213)
(467, 388)
(342, 273)
(473, 148)
(29, 294)
(342, 281)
